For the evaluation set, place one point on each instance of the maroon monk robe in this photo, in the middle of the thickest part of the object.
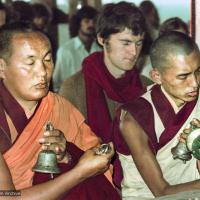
(9, 105)
(99, 184)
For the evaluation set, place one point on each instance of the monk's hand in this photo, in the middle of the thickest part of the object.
(195, 122)
(184, 134)
(91, 163)
(188, 129)
(55, 140)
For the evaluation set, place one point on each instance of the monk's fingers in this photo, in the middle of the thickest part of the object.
(196, 122)
(64, 158)
(186, 131)
(183, 140)
(57, 148)
(183, 136)
(53, 139)
(60, 157)
(54, 132)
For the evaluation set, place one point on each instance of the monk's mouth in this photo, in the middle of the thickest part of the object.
(41, 86)
(193, 94)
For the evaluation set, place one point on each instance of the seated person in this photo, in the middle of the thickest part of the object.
(110, 78)
(71, 54)
(27, 105)
(151, 125)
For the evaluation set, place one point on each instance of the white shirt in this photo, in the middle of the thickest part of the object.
(69, 58)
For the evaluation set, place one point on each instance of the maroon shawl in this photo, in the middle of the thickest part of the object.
(9, 105)
(142, 111)
(99, 82)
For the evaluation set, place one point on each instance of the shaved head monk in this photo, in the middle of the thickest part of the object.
(148, 128)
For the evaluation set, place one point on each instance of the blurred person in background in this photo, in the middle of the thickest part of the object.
(20, 11)
(152, 18)
(71, 54)
(173, 24)
(42, 16)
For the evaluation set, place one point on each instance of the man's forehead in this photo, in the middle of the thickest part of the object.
(30, 37)
(27, 44)
(27, 34)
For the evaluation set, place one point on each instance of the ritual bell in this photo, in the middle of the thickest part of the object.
(47, 161)
(184, 151)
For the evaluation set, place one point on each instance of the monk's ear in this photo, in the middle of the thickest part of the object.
(2, 68)
(155, 76)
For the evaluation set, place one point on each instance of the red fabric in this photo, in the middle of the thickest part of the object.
(99, 82)
(13, 109)
(98, 187)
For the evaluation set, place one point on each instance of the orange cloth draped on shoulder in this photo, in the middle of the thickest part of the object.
(22, 156)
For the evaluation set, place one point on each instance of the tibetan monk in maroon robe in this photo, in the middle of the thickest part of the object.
(26, 105)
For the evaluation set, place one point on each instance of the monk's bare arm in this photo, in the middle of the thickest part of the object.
(146, 162)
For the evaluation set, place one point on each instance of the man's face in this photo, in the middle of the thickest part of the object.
(28, 71)
(121, 51)
(87, 27)
(181, 79)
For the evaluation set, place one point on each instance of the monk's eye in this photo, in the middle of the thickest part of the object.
(30, 62)
(182, 77)
(198, 70)
(139, 43)
(48, 58)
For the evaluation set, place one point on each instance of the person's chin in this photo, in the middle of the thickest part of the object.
(40, 93)
(190, 98)
(129, 67)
